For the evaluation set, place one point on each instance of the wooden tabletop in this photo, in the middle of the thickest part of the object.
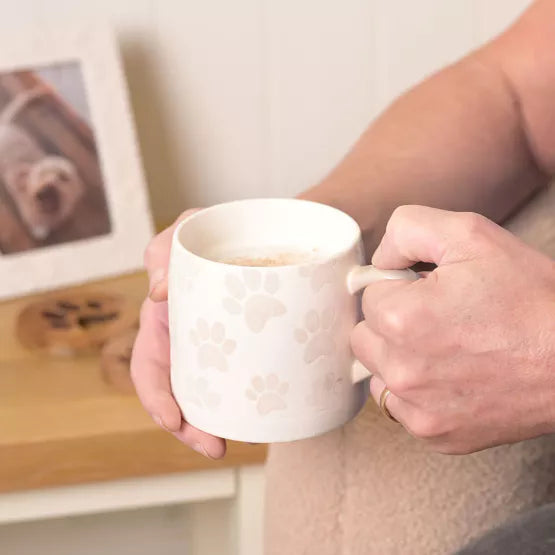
(61, 423)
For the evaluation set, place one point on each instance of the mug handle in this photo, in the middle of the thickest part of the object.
(357, 279)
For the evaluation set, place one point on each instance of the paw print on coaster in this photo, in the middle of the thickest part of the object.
(200, 394)
(213, 347)
(253, 296)
(317, 334)
(268, 393)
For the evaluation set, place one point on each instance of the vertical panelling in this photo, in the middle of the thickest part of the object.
(125, 15)
(208, 69)
(259, 97)
(415, 39)
(495, 15)
(319, 73)
(17, 14)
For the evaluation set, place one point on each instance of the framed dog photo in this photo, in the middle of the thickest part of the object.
(73, 201)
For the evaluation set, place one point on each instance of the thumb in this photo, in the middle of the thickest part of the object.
(422, 234)
(157, 258)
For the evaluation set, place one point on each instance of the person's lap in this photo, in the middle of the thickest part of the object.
(371, 488)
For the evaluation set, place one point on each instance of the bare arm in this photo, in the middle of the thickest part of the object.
(477, 136)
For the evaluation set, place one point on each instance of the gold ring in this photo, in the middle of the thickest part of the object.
(385, 411)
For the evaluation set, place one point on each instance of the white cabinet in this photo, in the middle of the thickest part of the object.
(216, 512)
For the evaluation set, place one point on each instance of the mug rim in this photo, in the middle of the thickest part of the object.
(176, 242)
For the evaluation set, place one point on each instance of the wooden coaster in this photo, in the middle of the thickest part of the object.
(116, 361)
(77, 323)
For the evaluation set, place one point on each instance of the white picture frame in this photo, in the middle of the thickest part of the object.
(71, 262)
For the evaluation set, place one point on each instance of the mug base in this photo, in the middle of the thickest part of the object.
(276, 431)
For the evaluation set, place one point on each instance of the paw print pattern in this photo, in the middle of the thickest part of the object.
(268, 393)
(319, 275)
(199, 393)
(317, 334)
(253, 297)
(324, 390)
(213, 347)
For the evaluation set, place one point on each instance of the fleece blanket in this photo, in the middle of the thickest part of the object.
(369, 488)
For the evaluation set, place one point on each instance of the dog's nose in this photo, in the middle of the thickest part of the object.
(48, 198)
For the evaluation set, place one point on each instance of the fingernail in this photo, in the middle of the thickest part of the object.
(199, 448)
(155, 279)
(158, 421)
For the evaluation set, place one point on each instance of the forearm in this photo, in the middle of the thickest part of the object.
(456, 141)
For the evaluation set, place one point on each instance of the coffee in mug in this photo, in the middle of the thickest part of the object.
(256, 256)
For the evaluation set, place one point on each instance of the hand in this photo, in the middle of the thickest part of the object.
(468, 352)
(150, 363)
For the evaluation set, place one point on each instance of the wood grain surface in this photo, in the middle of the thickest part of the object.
(61, 423)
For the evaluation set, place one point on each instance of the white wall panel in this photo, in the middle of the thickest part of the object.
(208, 70)
(493, 16)
(414, 39)
(263, 97)
(320, 77)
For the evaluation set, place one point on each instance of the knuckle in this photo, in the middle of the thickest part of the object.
(389, 318)
(403, 217)
(358, 338)
(134, 368)
(400, 218)
(186, 213)
(370, 304)
(425, 426)
(402, 213)
(367, 348)
(472, 225)
(366, 305)
(400, 379)
(395, 319)
(134, 374)
(150, 253)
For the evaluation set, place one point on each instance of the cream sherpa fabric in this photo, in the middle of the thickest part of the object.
(371, 489)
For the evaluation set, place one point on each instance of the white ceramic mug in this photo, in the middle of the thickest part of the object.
(262, 354)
